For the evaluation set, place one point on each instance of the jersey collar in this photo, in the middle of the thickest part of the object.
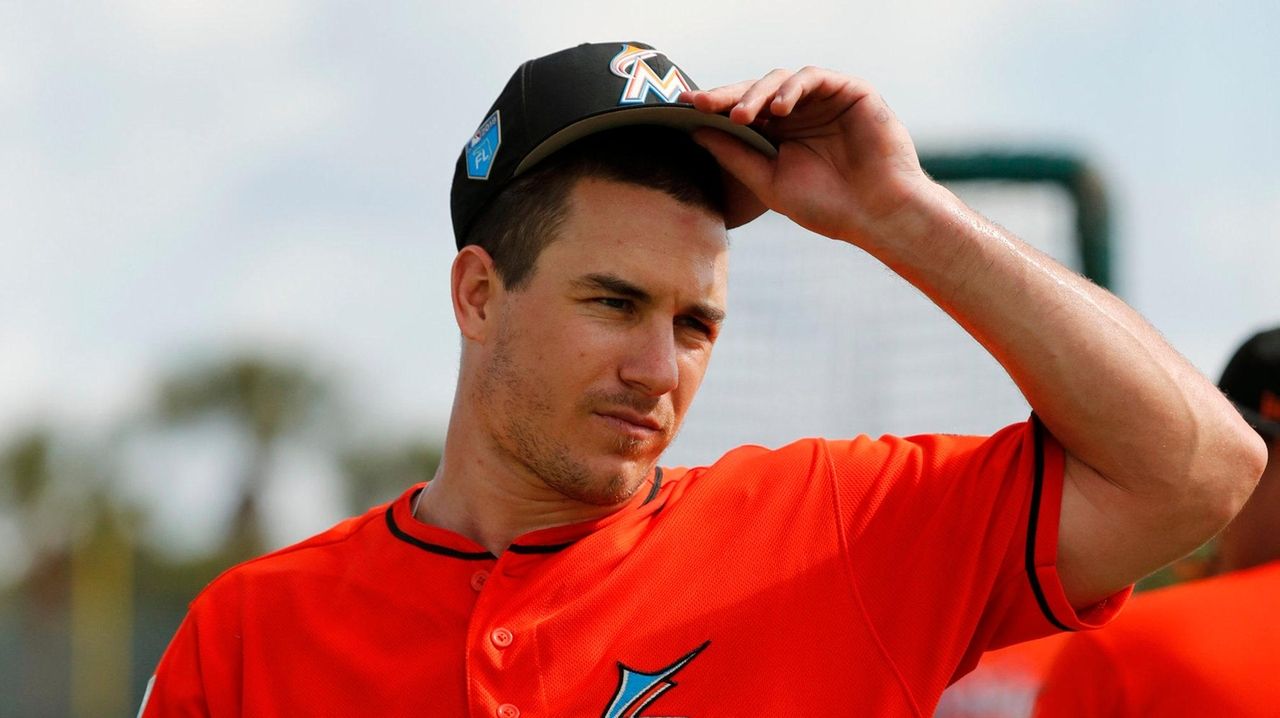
(403, 526)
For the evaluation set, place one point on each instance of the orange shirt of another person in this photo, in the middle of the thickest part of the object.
(1005, 683)
(1209, 648)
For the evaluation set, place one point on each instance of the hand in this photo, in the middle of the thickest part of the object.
(846, 168)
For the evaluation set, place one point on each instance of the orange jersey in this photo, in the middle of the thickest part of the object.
(1207, 648)
(1005, 683)
(826, 576)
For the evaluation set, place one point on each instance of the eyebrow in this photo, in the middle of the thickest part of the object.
(614, 284)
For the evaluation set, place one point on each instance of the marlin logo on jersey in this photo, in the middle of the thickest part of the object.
(637, 689)
(631, 64)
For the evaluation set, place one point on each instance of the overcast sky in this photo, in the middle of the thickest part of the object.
(178, 177)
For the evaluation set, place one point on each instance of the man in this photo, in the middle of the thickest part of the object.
(551, 568)
(1210, 647)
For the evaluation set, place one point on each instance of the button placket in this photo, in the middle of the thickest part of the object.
(495, 620)
(501, 637)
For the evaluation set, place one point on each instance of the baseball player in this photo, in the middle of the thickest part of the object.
(552, 568)
(1210, 647)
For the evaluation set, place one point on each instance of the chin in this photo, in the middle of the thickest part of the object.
(611, 486)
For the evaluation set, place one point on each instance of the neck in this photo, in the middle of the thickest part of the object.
(1251, 539)
(484, 494)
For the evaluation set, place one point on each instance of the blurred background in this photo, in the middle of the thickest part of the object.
(225, 242)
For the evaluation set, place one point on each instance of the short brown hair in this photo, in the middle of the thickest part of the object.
(525, 217)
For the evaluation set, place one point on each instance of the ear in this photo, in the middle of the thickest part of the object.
(475, 286)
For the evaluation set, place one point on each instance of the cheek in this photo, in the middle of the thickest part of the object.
(569, 356)
(693, 368)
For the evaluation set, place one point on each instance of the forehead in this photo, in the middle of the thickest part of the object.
(642, 234)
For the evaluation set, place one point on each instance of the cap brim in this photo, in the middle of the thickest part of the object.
(679, 116)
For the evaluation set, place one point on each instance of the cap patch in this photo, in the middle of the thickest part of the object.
(483, 147)
(630, 64)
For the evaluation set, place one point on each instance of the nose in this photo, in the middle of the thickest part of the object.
(652, 364)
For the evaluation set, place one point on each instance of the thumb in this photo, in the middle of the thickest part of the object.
(749, 167)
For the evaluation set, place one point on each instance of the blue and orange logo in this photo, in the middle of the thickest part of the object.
(631, 64)
(637, 689)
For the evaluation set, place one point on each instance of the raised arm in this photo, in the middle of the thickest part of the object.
(1157, 460)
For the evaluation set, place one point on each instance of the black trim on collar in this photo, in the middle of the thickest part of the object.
(535, 549)
(657, 484)
(434, 548)
(1036, 489)
(514, 548)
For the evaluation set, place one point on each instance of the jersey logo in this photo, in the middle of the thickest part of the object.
(631, 64)
(637, 689)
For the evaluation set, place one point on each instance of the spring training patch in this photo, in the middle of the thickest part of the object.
(483, 147)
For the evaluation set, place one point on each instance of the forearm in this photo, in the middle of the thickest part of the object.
(1157, 460)
(1094, 371)
(1116, 396)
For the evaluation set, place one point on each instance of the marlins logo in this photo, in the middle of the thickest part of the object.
(637, 689)
(631, 65)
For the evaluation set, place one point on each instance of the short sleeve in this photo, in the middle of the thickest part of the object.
(952, 543)
(176, 689)
(199, 673)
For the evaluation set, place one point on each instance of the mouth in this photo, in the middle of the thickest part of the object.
(631, 422)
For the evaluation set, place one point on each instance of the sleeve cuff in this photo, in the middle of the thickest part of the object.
(1042, 544)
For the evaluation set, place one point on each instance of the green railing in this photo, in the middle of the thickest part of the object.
(1077, 177)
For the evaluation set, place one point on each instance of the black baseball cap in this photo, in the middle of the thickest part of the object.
(554, 100)
(1252, 381)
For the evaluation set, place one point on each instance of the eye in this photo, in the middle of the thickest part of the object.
(615, 303)
(695, 325)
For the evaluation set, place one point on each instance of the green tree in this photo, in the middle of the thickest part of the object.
(266, 400)
(378, 473)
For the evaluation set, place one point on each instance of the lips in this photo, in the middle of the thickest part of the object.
(642, 421)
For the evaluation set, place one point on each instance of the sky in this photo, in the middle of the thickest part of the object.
(180, 179)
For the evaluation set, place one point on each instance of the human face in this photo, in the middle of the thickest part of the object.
(595, 360)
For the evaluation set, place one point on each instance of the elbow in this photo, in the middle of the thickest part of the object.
(1240, 462)
(1215, 482)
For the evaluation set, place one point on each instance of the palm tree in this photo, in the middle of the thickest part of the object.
(26, 486)
(376, 473)
(265, 400)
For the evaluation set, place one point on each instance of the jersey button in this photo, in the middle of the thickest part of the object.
(478, 578)
(506, 710)
(502, 638)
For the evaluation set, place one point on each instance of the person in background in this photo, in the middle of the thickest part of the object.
(1004, 684)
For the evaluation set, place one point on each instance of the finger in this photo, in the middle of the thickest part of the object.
(716, 100)
(756, 96)
(749, 167)
(797, 87)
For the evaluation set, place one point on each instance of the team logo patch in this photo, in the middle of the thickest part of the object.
(483, 147)
(637, 689)
(631, 64)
